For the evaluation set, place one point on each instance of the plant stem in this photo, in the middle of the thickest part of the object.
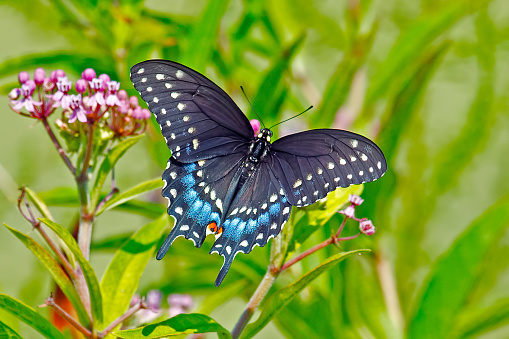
(254, 302)
(59, 148)
(51, 302)
(122, 318)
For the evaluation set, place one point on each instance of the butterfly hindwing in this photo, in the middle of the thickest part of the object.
(197, 118)
(313, 163)
(196, 193)
(257, 214)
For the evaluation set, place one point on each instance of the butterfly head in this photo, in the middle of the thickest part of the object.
(265, 134)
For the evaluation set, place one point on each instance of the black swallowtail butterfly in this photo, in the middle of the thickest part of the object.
(221, 179)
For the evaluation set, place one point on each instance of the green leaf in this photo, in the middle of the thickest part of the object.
(178, 325)
(56, 272)
(88, 271)
(29, 316)
(107, 165)
(131, 194)
(204, 35)
(454, 275)
(8, 333)
(38, 203)
(282, 297)
(124, 272)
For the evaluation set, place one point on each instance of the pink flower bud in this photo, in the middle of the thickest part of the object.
(31, 84)
(60, 73)
(355, 199)
(255, 124)
(349, 212)
(133, 101)
(53, 77)
(81, 85)
(154, 299)
(145, 113)
(122, 95)
(23, 77)
(137, 114)
(88, 74)
(366, 226)
(39, 76)
(14, 94)
(105, 78)
(123, 109)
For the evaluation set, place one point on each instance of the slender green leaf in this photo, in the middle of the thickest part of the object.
(131, 194)
(56, 272)
(8, 333)
(38, 203)
(88, 271)
(282, 297)
(124, 272)
(29, 316)
(204, 35)
(454, 275)
(178, 325)
(107, 165)
(485, 321)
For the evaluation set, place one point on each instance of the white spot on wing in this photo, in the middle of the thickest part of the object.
(349, 176)
(354, 143)
(200, 173)
(336, 179)
(196, 234)
(184, 228)
(342, 161)
(315, 193)
(168, 123)
(201, 162)
(260, 236)
(281, 191)
(319, 170)
(364, 157)
(181, 107)
(195, 143)
(144, 80)
(361, 173)
(309, 176)
(173, 175)
(297, 183)
(326, 185)
(141, 70)
(175, 95)
(235, 211)
(191, 129)
(264, 206)
(179, 74)
(168, 85)
(243, 209)
(163, 111)
(155, 100)
(159, 76)
(273, 226)
(286, 210)
(244, 243)
(173, 192)
(179, 210)
(379, 165)
(331, 165)
(228, 249)
(352, 158)
(213, 195)
(219, 204)
(273, 198)
(149, 89)
(172, 136)
(371, 170)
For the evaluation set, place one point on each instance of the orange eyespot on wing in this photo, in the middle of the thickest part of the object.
(213, 227)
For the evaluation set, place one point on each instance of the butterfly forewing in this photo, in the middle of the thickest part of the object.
(197, 118)
(313, 163)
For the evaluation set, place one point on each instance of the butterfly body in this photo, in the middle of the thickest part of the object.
(223, 180)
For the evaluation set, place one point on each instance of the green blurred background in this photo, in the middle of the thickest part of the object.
(428, 80)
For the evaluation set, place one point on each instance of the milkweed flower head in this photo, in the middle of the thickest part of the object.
(94, 100)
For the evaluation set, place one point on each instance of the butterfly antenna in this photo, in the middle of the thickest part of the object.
(292, 117)
(242, 88)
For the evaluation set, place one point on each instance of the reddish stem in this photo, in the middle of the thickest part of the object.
(51, 302)
(59, 148)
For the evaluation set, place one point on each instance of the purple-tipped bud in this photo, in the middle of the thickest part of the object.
(135, 300)
(15, 93)
(182, 300)
(23, 77)
(88, 74)
(53, 77)
(31, 84)
(133, 101)
(123, 109)
(137, 114)
(81, 85)
(355, 199)
(60, 73)
(154, 299)
(145, 114)
(122, 95)
(366, 226)
(39, 76)
(105, 78)
(349, 212)
(255, 124)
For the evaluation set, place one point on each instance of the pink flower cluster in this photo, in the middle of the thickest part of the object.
(95, 99)
(366, 226)
(178, 304)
